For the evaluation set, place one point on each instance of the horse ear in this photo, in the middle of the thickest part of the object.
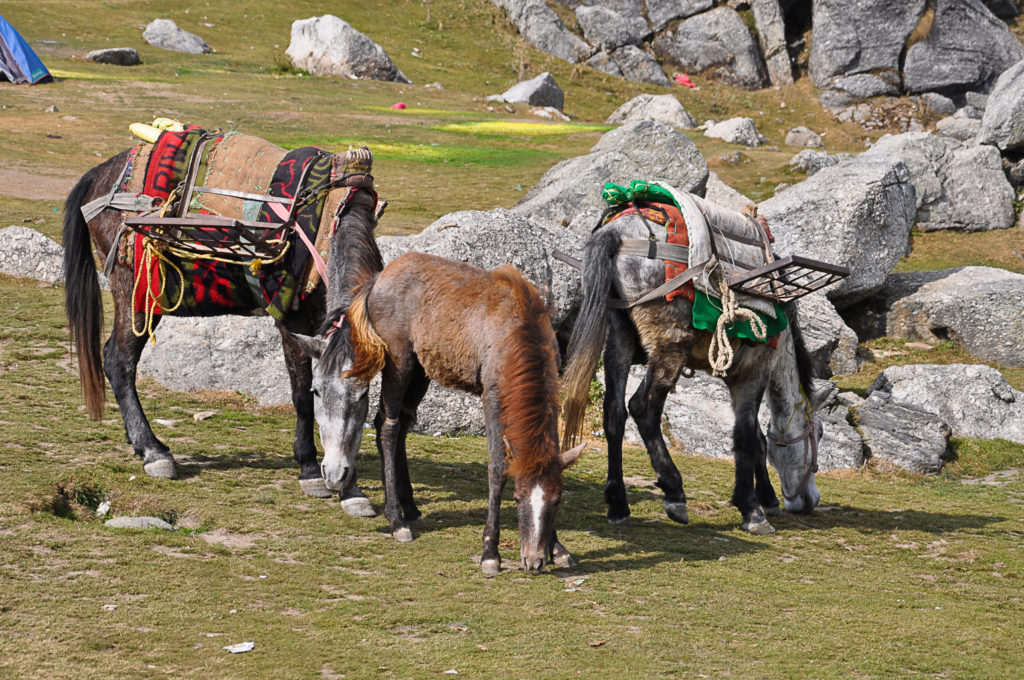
(567, 458)
(313, 346)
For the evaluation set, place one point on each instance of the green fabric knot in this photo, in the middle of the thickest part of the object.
(638, 190)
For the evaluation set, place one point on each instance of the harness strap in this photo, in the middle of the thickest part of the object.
(810, 442)
(661, 290)
(655, 250)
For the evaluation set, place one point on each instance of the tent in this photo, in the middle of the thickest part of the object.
(18, 63)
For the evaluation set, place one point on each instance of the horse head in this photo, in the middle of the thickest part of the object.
(792, 447)
(340, 406)
(537, 495)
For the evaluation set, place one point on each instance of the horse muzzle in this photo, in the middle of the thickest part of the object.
(805, 500)
(336, 477)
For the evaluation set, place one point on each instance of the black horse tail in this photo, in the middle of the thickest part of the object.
(82, 301)
(588, 334)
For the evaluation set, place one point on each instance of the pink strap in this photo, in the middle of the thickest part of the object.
(317, 260)
(279, 210)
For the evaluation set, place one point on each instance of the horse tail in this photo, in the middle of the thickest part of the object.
(368, 349)
(82, 302)
(588, 334)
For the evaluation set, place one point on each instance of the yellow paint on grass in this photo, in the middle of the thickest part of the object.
(522, 128)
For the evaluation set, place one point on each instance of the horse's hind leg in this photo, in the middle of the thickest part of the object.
(618, 355)
(120, 362)
(300, 374)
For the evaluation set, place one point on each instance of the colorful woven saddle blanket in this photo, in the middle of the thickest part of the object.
(227, 175)
(737, 242)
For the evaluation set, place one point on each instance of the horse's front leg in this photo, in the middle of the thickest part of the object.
(618, 356)
(389, 441)
(497, 469)
(749, 453)
(300, 374)
(413, 396)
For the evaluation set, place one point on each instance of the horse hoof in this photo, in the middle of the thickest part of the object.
(403, 535)
(773, 510)
(762, 528)
(491, 566)
(620, 521)
(564, 561)
(162, 469)
(358, 506)
(677, 512)
(315, 487)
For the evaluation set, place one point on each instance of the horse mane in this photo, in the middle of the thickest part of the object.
(804, 365)
(369, 351)
(529, 391)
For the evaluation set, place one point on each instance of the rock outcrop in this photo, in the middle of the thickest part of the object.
(166, 35)
(329, 46)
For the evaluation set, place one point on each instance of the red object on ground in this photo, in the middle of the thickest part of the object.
(684, 79)
(399, 105)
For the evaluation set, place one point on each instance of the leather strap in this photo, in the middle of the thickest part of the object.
(655, 250)
(661, 290)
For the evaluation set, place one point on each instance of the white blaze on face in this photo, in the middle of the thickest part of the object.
(537, 507)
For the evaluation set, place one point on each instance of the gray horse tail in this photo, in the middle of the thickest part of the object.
(588, 334)
(82, 302)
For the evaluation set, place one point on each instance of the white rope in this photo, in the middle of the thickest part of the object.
(720, 352)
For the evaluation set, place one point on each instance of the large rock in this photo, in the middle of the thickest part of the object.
(539, 91)
(978, 308)
(771, 33)
(961, 129)
(608, 30)
(637, 65)
(958, 187)
(329, 46)
(857, 214)
(722, 194)
(902, 434)
(541, 27)
(662, 12)
(736, 131)
(973, 399)
(118, 56)
(811, 161)
(662, 107)
(803, 136)
(639, 150)
(25, 253)
(235, 353)
(967, 49)
(868, 318)
(831, 344)
(1003, 123)
(716, 42)
(166, 35)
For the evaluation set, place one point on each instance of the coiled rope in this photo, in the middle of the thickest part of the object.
(720, 352)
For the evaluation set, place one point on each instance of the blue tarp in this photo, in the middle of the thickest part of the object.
(18, 63)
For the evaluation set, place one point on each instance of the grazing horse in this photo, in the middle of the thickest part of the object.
(353, 255)
(426, 318)
(664, 333)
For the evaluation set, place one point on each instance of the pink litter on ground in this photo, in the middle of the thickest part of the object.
(684, 79)
(399, 105)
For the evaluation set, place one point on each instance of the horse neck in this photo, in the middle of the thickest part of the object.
(788, 405)
(354, 257)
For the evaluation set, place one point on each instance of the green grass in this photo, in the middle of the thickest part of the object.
(895, 575)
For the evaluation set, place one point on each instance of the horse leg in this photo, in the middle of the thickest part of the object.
(300, 374)
(763, 488)
(497, 469)
(390, 439)
(749, 452)
(413, 396)
(120, 361)
(646, 406)
(618, 355)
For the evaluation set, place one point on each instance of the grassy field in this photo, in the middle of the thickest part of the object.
(895, 575)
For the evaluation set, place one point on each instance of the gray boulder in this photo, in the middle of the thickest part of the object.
(663, 107)
(637, 65)
(975, 400)
(831, 344)
(961, 129)
(234, 353)
(966, 49)
(803, 136)
(863, 85)
(638, 150)
(902, 434)
(166, 35)
(1003, 123)
(978, 308)
(541, 27)
(25, 253)
(811, 161)
(716, 42)
(857, 214)
(868, 318)
(539, 91)
(958, 187)
(736, 131)
(118, 56)
(662, 12)
(771, 33)
(329, 46)
(608, 30)
(720, 193)
(938, 103)
(602, 61)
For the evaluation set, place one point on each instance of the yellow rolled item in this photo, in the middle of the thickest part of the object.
(168, 124)
(146, 133)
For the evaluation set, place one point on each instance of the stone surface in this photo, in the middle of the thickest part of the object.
(608, 30)
(663, 107)
(125, 522)
(603, 61)
(736, 131)
(830, 342)
(26, 253)
(938, 103)
(716, 42)
(639, 66)
(541, 27)
(973, 399)
(771, 33)
(967, 49)
(722, 194)
(166, 35)
(868, 318)
(856, 214)
(637, 150)
(961, 129)
(978, 308)
(118, 56)
(811, 161)
(329, 46)
(662, 12)
(541, 90)
(235, 353)
(802, 136)
(862, 85)
(1003, 123)
(958, 187)
(903, 435)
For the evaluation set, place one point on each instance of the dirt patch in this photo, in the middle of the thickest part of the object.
(23, 184)
(231, 540)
